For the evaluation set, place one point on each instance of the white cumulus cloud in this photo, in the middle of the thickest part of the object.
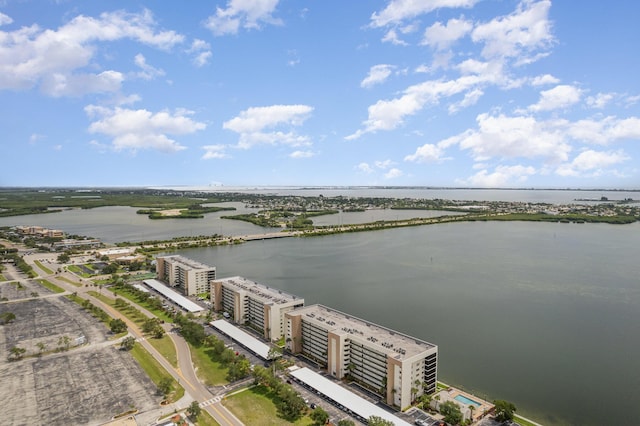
(442, 36)
(365, 168)
(377, 74)
(140, 129)
(544, 79)
(561, 96)
(253, 124)
(302, 154)
(247, 14)
(201, 51)
(501, 176)
(61, 61)
(514, 137)
(520, 33)
(214, 152)
(427, 153)
(592, 163)
(393, 173)
(399, 10)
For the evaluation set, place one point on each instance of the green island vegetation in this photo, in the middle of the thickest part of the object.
(194, 211)
(21, 201)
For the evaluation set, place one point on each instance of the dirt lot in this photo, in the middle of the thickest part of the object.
(86, 385)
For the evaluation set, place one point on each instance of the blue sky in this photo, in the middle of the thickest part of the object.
(473, 93)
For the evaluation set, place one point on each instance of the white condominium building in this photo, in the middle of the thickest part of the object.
(253, 304)
(187, 275)
(397, 367)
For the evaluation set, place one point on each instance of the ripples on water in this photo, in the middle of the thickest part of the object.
(545, 315)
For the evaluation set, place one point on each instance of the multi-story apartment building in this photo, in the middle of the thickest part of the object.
(186, 275)
(255, 305)
(397, 367)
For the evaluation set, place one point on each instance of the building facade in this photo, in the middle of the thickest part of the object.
(255, 305)
(395, 366)
(186, 275)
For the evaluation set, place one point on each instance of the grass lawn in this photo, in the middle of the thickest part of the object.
(130, 312)
(160, 313)
(255, 407)
(205, 419)
(2, 278)
(44, 268)
(522, 421)
(166, 348)
(51, 286)
(209, 370)
(155, 371)
(76, 270)
(70, 281)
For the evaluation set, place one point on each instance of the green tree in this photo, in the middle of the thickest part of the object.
(165, 386)
(504, 410)
(149, 325)
(291, 405)
(158, 332)
(111, 268)
(41, 347)
(117, 325)
(128, 343)
(319, 416)
(346, 422)
(16, 353)
(64, 343)
(451, 412)
(64, 258)
(378, 421)
(239, 369)
(7, 318)
(194, 410)
(227, 356)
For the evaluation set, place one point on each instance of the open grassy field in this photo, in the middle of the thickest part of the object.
(44, 268)
(155, 371)
(51, 286)
(166, 348)
(208, 368)
(254, 406)
(205, 419)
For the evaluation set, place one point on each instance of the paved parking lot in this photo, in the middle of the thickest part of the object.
(85, 385)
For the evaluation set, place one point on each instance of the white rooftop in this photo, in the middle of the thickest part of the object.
(245, 339)
(391, 342)
(186, 262)
(261, 291)
(175, 297)
(344, 397)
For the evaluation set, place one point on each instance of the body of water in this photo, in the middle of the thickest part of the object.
(544, 315)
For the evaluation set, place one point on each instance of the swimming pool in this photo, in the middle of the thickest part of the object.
(465, 400)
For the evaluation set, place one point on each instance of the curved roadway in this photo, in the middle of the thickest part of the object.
(185, 374)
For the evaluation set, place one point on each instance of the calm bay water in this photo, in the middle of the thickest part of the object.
(544, 315)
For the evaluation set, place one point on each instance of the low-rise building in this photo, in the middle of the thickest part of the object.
(255, 305)
(184, 274)
(393, 365)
